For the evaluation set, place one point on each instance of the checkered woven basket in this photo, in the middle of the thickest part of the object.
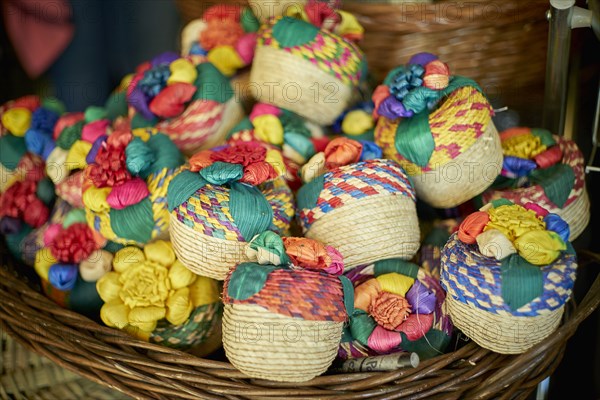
(476, 306)
(576, 210)
(467, 156)
(290, 330)
(312, 75)
(205, 236)
(427, 331)
(365, 210)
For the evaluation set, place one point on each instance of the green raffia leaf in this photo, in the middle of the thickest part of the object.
(501, 202)
(544, 135)
(113, 247)
(84, 298)
(271, 242)
(166, 154)
(521, 281)
(220, 173)
(134, 222)
(361, 326)
(138, 121)
(212, 84)
(347, 335)
(437, 237)
(396, 265)
(116, 105)
(348, 294)
(431, 345)
(291, 32)
(557, 182)
(182, 187)
(414, 140)
(251, 212)
(249, 21)
(12, 149)
(309, 193)
(247, 280)
(503, 182)
(243, 125)
(70, 135)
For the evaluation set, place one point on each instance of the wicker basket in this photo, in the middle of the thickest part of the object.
(576, 210)
(365, 210)
(143, 370)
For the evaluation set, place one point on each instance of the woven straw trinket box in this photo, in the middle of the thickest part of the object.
(508, 272)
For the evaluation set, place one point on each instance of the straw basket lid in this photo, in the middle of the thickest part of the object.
(287, 283)
(544, 169)
(359, 203)
(430, 122)
(75, 135)
(397, 307)
(508, 265)
(193, 104)
(304, 69)
(126, 182)
(152, 296)
(226, 197)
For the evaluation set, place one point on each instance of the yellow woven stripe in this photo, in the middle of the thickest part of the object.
(203, 198)
(105, 228)
(158, 195)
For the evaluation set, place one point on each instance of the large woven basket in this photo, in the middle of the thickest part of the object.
(576, 211)
(147, 371)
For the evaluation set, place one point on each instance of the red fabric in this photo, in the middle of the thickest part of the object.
(39, 31)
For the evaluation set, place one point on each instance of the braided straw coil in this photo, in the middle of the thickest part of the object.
(305, 76)
(476, 305)
(365, 210)
(575, 211)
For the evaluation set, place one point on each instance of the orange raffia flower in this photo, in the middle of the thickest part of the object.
(389, 310)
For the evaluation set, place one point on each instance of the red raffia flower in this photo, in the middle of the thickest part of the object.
(242, 153)
(20, 201)
(74, 244)
(218, 32)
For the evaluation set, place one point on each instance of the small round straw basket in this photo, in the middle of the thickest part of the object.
(475, 303)
(467, 156)
(204, 235)
(290, 330)
(427, 329)
(365, 210)
(297, 67)
(576, 210)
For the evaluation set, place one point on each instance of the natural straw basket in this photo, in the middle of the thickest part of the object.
(301, 72)
(476, 305)
(365, 210)
(466, 157)
(576, 210)
(143, 370)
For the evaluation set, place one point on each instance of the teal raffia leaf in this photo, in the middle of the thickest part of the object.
(521, 281)
(396, 265)
(221, 173)
(361, 326)
(309, 193)
(134, 222)
(557, 182)
(414, 140)
(182, 187)
(545, 136)
(348, 289)
(431, 345)
(251, 212)
(247, 280)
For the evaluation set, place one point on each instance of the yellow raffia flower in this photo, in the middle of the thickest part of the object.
(148, 286)
(523, 146)
(514, 221)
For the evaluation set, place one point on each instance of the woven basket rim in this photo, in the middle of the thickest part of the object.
(144, 370)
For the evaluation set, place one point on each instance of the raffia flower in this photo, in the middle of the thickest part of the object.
(146, 287)
(389, 310)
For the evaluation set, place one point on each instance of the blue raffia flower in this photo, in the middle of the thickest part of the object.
(406, 80)
(154, 80)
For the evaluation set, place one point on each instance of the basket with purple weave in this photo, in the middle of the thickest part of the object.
(397, 307)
